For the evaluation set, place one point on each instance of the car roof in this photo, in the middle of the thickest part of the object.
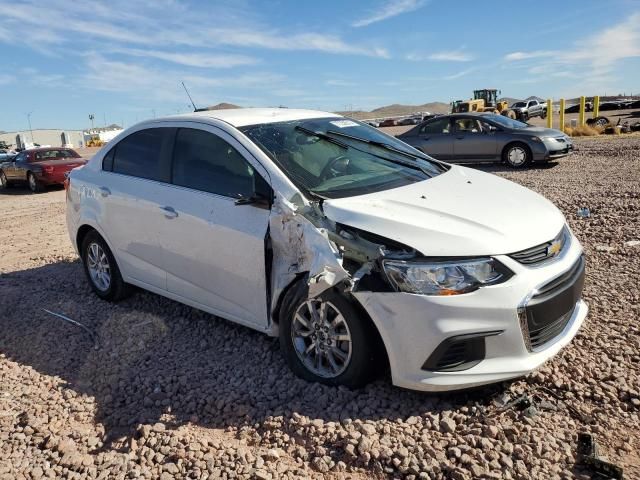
(239, 117)
(44, 149)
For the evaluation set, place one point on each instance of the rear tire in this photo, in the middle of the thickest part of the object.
(516, 155)
(334, 346)
(101, 269)
(34, 185)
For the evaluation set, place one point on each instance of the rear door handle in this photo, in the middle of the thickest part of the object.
(169, 212)
(105, 192)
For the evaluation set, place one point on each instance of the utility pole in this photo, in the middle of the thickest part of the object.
(30, 129)
(91, 117)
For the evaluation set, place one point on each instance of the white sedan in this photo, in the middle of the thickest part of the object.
(361, 253)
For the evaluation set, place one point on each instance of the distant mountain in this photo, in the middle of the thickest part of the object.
(222, 106)
(397, 110)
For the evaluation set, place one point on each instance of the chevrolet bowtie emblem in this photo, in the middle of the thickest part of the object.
(554, 248)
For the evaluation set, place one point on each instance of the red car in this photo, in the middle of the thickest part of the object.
(39, 167)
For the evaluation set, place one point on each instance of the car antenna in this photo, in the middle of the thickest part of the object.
(195, 109)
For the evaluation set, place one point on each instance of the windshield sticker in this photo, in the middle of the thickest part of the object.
(344, 123)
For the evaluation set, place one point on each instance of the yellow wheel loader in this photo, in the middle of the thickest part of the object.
(485, 100)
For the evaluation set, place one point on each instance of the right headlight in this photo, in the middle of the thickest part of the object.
(452, 277)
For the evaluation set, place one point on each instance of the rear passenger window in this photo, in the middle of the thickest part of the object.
(203, 161)
(107, 161)
(139, 155)
(437, 126)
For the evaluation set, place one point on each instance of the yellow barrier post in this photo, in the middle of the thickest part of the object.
(581, 116)
(549, 113)
(561, 114)
(596, 106)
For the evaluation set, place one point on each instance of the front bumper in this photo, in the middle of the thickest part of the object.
(413, 326)
(556, 149)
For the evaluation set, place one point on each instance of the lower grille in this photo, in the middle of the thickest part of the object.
(541, 336)
(549, 310)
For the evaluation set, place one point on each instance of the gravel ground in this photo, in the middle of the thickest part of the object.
(160, 390)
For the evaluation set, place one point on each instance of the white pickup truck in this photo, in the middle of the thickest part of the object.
(529, 109)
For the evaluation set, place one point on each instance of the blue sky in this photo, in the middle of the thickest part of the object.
(123, 60)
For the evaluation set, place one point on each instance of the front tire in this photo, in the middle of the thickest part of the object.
(516, 155)
(326, 339)
(34, 185)
(101, 269)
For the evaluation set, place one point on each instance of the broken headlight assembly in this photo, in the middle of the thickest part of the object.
(452, 277)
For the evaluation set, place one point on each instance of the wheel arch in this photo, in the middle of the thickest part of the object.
(300, 282)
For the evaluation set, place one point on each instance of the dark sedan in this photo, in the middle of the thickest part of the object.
(469, 137)
(39, 167)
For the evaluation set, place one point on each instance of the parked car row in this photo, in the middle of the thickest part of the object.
(39, 167)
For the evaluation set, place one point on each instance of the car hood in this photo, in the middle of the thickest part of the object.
(541, 132)
(462, 212)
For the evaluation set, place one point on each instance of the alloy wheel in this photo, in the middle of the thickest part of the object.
(98, 266)
(321, 338)
(32, 182)
(3, 180)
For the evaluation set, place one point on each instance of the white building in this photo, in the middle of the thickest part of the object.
(53, 137)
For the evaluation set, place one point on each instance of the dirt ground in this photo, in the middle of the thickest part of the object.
(155, 389)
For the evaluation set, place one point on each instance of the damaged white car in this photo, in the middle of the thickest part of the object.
(363, 254)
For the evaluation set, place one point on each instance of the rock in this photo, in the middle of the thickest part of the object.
(320, 464)
(159, 427)
(447, 425)
(367, 429)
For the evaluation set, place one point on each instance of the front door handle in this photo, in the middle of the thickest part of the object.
(169, 212)
(105, 192)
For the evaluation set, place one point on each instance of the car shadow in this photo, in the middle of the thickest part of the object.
(18, 189)
(635, 114)
(150, 359)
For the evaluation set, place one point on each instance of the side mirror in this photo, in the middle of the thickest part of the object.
(262, 196)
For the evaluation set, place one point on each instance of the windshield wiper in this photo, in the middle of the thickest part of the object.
(390, 148)
(377, 143)
(323, 136)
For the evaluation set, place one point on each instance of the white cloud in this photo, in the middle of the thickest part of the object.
(595, 55)
(460, 74)
(451, 56)
(5, 79)
(516, 56)
(390, 8)
(444, 56)
(162, 24)
(163, 85)
(202, 60)
(276, 41)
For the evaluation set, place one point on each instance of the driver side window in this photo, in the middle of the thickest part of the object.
(203, 161)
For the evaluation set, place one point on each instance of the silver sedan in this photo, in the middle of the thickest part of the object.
(469, 138)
